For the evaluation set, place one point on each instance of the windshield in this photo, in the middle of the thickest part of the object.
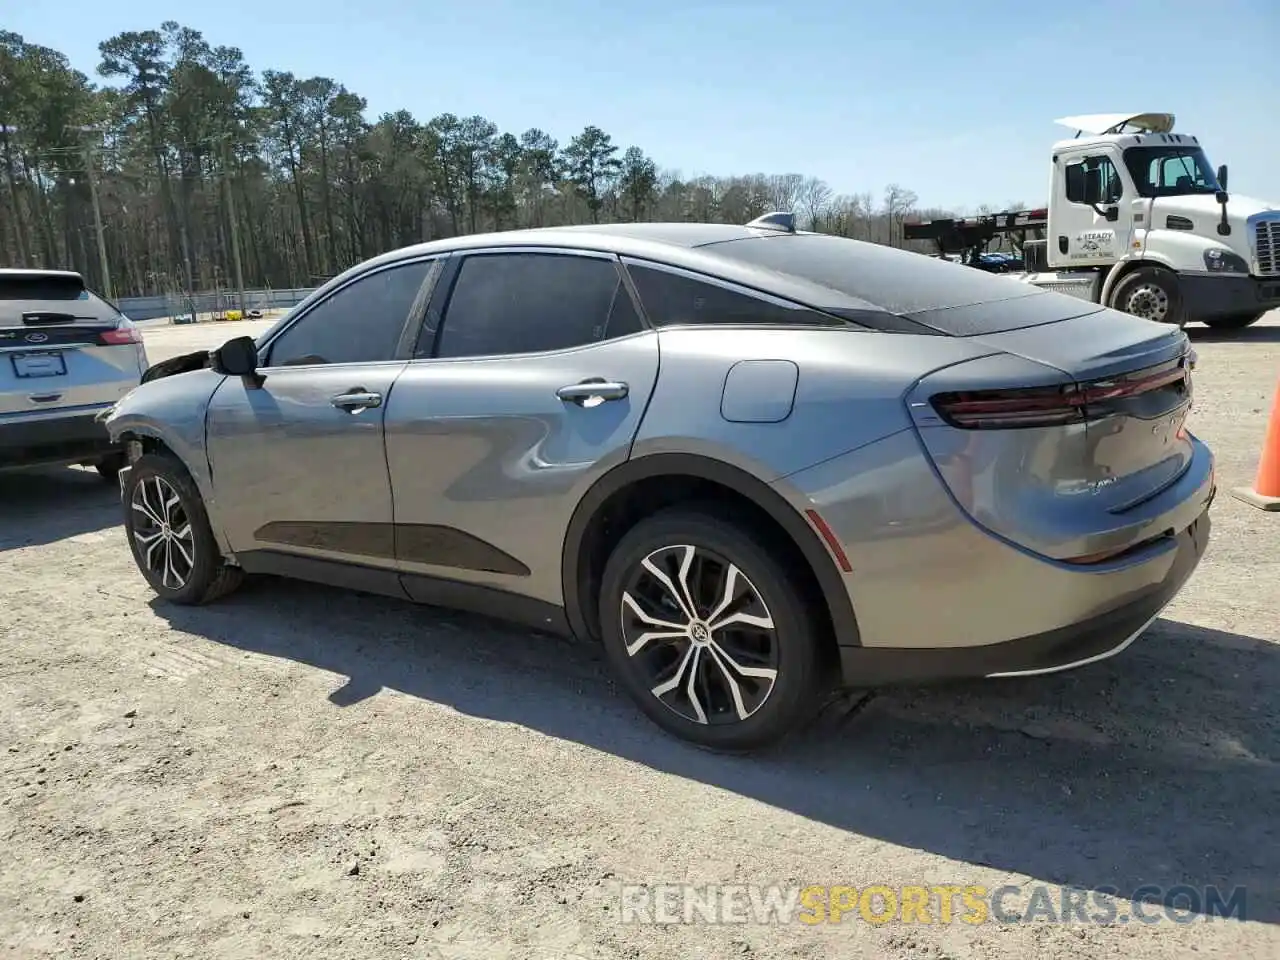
(1170, 171)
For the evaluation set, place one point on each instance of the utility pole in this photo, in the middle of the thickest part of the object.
(235, 227)
(97, 226)
(97, 213)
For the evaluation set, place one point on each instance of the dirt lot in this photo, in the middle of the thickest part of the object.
(299, 772)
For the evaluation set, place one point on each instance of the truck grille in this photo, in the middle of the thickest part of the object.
(1267, 247)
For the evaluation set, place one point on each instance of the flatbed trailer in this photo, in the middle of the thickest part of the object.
(968, 239)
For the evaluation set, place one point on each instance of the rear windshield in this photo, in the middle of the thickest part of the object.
(900, 281)
(43, 300)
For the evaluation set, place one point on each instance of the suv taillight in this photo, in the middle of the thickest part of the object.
(126, 333)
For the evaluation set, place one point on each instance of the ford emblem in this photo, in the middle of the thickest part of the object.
(37, 337)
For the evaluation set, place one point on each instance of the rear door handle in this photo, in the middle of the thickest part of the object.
(356, 399)
(594, 388)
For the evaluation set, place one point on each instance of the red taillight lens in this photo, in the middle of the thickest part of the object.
(993, 409)
(120, 336)
(1055, 406)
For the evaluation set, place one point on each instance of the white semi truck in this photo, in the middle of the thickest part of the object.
(1137, 220)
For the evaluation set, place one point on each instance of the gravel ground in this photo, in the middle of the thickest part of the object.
(300, 772)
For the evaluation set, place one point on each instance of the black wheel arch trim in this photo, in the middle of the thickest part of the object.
(802, 534)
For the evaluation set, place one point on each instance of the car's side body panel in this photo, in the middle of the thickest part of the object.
(487, 463)
(848, 392)
(298, 475)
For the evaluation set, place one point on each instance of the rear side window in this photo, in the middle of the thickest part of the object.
(676, 299)
(361, 323)
(512, 303)
(899, 281)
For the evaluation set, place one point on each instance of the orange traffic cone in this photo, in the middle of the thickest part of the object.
(1265, 494)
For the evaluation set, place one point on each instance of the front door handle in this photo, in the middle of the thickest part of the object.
(596, 388)
(356, 399)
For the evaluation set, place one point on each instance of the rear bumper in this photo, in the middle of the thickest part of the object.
(1208, 297)
(52, 437)
(1064, 648)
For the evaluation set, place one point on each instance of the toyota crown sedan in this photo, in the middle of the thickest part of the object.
(758, 465)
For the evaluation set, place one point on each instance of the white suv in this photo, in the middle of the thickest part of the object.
(66, 355)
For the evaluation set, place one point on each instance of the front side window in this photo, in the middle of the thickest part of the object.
(513, 303)
(1170, 171)
(1093, 180)
(361, 323)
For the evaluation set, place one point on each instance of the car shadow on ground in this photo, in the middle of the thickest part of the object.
(1267, 334)
(49, 504)
(1158, 767)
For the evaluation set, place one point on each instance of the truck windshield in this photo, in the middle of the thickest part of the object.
(1170, 171)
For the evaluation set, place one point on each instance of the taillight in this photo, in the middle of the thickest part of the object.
(1054, 406)
(120, 336)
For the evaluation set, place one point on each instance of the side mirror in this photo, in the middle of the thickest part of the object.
(237, 358)
(1222, 178)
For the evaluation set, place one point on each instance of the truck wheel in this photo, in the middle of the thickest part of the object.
(1237, 322)
(1151, 293)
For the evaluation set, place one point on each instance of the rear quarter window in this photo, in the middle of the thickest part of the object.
(945, 296)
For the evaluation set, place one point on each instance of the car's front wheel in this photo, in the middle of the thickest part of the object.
(709, 633)
(169, 533)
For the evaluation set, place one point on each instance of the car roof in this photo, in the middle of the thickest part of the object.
(34, 274)
(688, 245)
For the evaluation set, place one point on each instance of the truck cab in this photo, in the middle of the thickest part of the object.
(1139, 220)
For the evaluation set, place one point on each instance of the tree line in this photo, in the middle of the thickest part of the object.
(187, 171)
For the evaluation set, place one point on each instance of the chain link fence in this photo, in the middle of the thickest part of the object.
(178, 306)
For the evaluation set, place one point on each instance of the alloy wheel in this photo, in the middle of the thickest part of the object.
(162, 532)
(701, 634)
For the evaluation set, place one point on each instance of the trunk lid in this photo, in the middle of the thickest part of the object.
(1086, 485)
(1137, 445)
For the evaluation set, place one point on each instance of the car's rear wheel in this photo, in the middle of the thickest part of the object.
(1235, 322)
(169, 533)
(708, 633)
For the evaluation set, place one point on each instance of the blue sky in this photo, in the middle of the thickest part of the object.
(953, 100)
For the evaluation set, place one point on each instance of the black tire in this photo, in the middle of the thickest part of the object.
(161, 484)
(109, 467)
(1237, 322)
(1151, 293)
(776, 708)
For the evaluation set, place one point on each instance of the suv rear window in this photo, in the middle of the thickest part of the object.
(83, 306)
(903, 282)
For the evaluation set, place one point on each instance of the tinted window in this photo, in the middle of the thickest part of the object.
(672, 299)
(1093, 180)
(529, 302)
(899, 281)
(361, 323)
(83, 306)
